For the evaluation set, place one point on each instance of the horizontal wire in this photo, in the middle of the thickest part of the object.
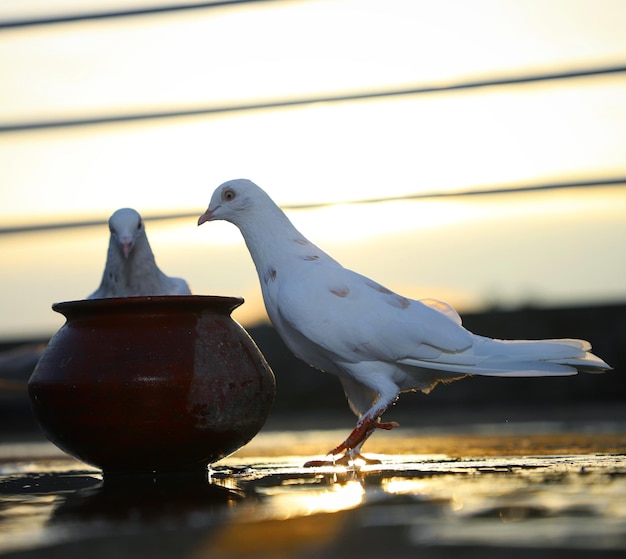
(470, 192)
(52, 20)
(32, 228)
(358, 96)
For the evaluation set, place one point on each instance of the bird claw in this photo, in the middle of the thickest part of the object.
(347, 459)
(349, 447)
(360, 433)
(350, 457)
(387, 425)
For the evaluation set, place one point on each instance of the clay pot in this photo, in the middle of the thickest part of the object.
(151, 384)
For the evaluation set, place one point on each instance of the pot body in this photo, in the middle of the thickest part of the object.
(151, 384)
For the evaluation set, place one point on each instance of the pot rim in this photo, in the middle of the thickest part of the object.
(220, 303)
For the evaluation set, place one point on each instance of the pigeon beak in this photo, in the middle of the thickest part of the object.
(126, 248)
(206, 216)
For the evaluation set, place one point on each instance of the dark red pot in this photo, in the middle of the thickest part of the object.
(151, 384)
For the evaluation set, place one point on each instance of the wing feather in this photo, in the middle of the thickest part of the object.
(382, 325)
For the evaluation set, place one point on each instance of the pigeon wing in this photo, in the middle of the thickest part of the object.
(357, 319)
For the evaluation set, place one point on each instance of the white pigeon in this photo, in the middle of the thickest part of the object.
(130, 269)
(377, 342)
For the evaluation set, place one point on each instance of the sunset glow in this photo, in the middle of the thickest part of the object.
(474, 251)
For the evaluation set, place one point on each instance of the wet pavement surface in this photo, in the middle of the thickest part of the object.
(531, 490)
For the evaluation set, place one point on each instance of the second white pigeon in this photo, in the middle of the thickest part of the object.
(377, 342)
(131, 270)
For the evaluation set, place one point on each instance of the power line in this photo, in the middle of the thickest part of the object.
(470, 192)
(618, 181)
(284, 103)
(72, 18)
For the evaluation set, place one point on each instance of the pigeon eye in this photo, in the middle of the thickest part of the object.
(139, 225)
(228, 195)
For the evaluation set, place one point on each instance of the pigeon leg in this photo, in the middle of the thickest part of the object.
(353, 454)
(370, 420)
(366, 425)
(363, 430)
(352, 445)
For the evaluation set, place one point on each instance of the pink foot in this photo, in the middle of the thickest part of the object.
(363, 430)
(358, 435)
(346, 460)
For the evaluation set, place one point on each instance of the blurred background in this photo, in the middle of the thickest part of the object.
(471, 151)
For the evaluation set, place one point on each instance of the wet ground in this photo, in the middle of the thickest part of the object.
(522, 490)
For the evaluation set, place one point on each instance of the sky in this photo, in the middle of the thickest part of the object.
(550, 248)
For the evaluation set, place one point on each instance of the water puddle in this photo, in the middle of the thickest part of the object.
(266, 504)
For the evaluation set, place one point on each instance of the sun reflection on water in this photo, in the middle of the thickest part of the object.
(292, 501)
(404, 486)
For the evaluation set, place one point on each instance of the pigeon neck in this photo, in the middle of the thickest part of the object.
(142, 252)
(138, 268)
(270, 237)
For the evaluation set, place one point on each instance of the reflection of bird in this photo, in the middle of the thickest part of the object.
(130, 269)
(377, 342)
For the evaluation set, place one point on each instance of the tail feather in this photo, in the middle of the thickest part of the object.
(531, 349)
(517, 358)
(589, 364)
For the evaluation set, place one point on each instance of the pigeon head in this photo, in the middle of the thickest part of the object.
(233, 200)
(126, 225)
